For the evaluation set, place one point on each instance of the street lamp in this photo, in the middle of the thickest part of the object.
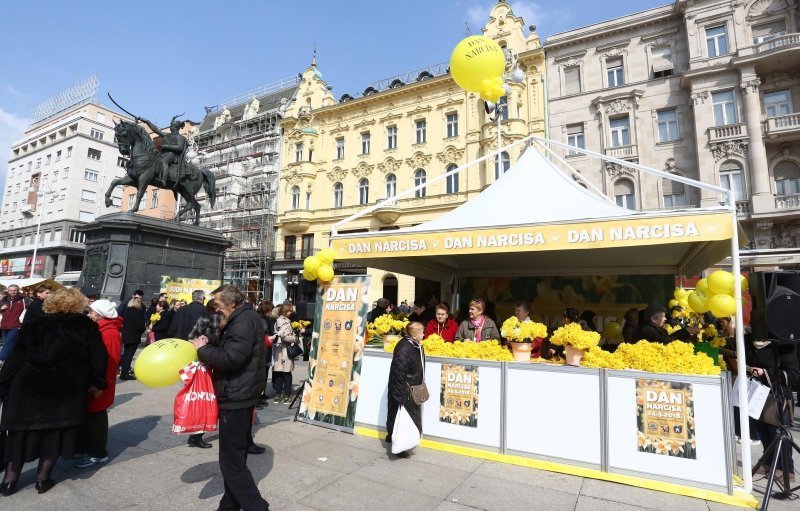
(40, 195)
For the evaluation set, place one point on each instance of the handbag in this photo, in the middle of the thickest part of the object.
(294, 350)
(771, 414)
(267, 341)
(405, 434)
(419, 393)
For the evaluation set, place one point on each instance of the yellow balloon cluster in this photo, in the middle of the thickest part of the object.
(158, 365)
(319, 266)
(475, 59)
(713, 294)
(492, 89)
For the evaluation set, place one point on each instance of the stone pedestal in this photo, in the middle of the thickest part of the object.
(126, 252)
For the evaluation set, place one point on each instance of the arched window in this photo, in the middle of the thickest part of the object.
(363, 191)
(504, 162)
(295, 197)
(419, 179)
(391, 185)
(787, 178)
(732, 178)
(338, 195)
(452, 179)
(623, 193)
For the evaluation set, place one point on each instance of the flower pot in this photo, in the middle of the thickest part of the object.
(573, 355)
(389, 338)
(522, 351)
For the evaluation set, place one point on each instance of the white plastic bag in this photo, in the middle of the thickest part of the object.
(405, 434)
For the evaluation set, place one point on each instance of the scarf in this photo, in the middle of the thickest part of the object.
(478, 324)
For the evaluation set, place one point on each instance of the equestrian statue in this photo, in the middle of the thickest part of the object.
(160, 162)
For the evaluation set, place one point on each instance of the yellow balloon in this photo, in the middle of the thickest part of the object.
(158, 364)
(680, 293)
(722, 305)
(683, 302)
(721, 283)
(310, 275)
(673, 303)
(698, 301)
(745, 284)
(325, 273)
(702, 286)
(311, 263)
(475, 59)
(326, 255)
(612, 331)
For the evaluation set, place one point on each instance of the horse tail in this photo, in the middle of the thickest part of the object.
(210, 186)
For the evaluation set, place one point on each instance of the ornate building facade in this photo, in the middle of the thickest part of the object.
(704, 89)
(339, 156)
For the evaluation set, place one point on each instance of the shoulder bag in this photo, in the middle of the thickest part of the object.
(419, 393)
(770, 414)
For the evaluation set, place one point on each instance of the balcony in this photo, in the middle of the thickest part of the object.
(787, 201)
(297, 221)
(387, 214)
(780, 42)
(727, 132)
(624, 152)
(783, 125)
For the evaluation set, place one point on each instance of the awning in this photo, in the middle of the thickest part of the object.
(30, 282)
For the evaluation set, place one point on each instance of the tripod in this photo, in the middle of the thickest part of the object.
(779, 451)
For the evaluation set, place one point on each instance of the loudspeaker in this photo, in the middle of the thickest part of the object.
(776, 305)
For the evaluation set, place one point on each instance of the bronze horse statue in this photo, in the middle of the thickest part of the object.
(146, 167)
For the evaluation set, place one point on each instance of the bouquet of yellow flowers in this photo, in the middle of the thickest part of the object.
(297, 325)
(388, 324)
(155, 317)
(675, 357)
(515, 330)
(435, 346)
(575, 336)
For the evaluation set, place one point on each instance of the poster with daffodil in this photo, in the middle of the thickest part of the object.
(458, 399)
(665, 418)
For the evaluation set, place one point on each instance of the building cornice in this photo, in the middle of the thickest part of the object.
(606, 28)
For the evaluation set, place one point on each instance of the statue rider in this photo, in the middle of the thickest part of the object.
(172, 151)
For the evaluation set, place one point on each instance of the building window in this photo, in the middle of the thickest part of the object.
(572, 80)
(363, 191)
(30, 164)
(391, 137)
(575, 138)
(787, 178)
(667, 125)
(131, 201)
(452, 179)
(85, 216)
(620, 131)
(768, 31)
(154, 201)
(365, 143)
(122, 162)
(57, 234)
(724, 108)
(143, 204)
(674, 201)
(298, 152)
(674, 194)
(58, 155)
(88, 196)
(290, 247)
(93, 154)
(295, 197)
(420, 177)
(452, 125)
(340, 148)
(661, 61)
(96, 134)
(47, 160)
(504, 163)
(732, 178)
(66, 172)
(391, 185)
(502, 108)
(90, 175)
(778, 103)
(338, 195)
(623, 193)
(69, 151)
(38, 163)
(421, 131)
(308, 245)
(615, 72)
(716, 41)
(308, 200)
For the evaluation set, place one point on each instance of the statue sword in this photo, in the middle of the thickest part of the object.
(136, 117)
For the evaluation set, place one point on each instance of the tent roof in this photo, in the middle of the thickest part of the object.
(535, 220)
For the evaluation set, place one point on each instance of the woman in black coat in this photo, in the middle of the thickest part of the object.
(406, 369)
(652, 329)
(132, 330)
(161, 327)
(59, 360)
(34, 309)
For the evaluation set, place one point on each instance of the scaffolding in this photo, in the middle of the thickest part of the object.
(243, 151)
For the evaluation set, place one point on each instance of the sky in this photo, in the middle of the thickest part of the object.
(160, 59)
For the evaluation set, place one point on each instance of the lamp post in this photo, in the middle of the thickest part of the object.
(40, 195)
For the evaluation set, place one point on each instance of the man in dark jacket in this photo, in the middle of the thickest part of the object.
(186, 317)
(653, 328)
(380, 309)
(239, 364)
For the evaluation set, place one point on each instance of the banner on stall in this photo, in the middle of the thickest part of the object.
(180, 288)
(458, 402)
(665, 418)
(330, 394)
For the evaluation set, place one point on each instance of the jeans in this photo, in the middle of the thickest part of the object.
(241, 491)
(282, 382)
(9, 340)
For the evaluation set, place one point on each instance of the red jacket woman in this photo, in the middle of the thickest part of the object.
(442, 324)
(112, 339)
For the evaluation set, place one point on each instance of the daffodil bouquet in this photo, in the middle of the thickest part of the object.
(298, 325)
(435, 346)
(575, 336)
(675, 357)
(387, 324)
(155, 317)
(514, 330)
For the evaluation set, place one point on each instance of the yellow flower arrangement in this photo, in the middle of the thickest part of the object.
(596, 357)
(672, 329)
(297, 325)
(575, 336)
(435, 346)
(675, 357)
(718, 342)
(155, 317)
(387, 324)
(515, 330)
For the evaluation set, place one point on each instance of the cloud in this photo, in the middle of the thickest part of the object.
(12, 128)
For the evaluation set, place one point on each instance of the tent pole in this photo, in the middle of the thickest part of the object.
(741, 365)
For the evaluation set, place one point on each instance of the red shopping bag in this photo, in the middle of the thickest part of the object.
(196, 404)
(151, 337)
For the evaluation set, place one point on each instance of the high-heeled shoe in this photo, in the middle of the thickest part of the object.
(44, 486)
(7, 489)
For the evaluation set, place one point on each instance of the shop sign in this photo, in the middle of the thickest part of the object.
(665, 418)
(181, 288)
